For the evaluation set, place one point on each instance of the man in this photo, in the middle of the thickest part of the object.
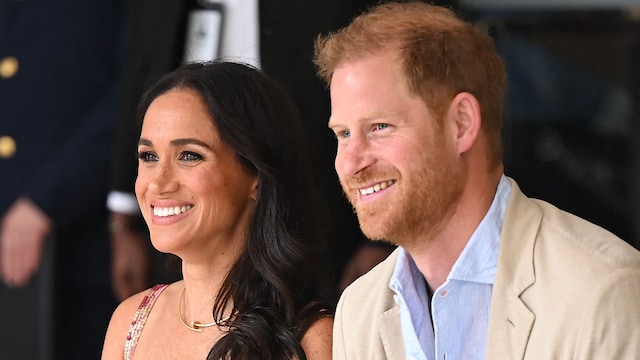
(481, 270)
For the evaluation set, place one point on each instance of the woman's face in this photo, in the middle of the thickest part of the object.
(194, 194)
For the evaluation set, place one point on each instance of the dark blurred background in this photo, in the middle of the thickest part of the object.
(571, 117)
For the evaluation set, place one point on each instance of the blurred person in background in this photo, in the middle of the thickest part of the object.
(58, 64)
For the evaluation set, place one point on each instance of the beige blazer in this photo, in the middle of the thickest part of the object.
(564, 289)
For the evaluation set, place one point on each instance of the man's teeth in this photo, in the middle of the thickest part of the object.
(169, 211)
(377, 187)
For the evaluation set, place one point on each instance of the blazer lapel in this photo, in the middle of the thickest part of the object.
(510, 321)
(391, 333)
(510, 324)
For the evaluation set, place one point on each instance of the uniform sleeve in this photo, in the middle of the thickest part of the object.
(76, 176)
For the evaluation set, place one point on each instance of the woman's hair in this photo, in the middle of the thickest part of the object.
(441, 56)
(274, 284)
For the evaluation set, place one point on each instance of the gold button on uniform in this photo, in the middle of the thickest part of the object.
(8, 67)
(7, 147)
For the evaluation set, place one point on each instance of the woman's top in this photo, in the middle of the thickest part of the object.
(140, 318)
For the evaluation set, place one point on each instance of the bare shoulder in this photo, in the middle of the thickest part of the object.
(317, 341)
(119, 326)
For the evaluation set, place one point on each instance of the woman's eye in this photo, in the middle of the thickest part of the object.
(190, 156)
(380, 126)
(147, 156)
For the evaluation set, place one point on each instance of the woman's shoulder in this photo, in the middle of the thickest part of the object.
(125, 311)
(122, 318)
(132, 304)
(317, 341)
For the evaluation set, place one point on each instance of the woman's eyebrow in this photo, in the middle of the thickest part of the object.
(177, 142)
(190, 141)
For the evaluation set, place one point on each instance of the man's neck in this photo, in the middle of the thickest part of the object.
(435, 256)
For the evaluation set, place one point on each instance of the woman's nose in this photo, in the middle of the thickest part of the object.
(164, 179)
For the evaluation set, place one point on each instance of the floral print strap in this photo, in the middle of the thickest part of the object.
(140, 318)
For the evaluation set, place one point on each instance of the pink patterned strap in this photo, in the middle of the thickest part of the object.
(140, 318)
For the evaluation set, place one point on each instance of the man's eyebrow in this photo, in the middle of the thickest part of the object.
(377, 115)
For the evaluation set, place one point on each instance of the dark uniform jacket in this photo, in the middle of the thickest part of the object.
(58, 63)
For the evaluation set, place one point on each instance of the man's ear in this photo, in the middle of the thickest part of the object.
(466, 111)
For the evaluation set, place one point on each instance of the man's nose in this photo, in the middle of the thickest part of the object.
(353, 156)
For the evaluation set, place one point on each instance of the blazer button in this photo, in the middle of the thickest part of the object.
(8, 67)
(7, 147)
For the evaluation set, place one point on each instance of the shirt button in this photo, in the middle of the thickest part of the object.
(7, 147)
(8, 67)
(444, 293)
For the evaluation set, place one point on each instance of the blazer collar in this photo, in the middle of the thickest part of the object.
(510, 321)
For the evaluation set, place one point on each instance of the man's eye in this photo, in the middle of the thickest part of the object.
(380, 126)
(190, 156)
(147, 156)
(343, 134)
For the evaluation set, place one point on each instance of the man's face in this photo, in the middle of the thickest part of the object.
(397, 164)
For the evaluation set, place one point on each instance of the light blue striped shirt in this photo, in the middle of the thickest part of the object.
(461, 305)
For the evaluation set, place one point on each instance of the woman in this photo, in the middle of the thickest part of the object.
(224, 184)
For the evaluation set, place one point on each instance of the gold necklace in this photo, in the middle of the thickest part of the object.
(196, 325)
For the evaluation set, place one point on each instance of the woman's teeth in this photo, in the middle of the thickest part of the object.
(169, 211)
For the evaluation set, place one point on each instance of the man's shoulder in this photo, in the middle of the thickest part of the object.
(542, 227)
(575, 235)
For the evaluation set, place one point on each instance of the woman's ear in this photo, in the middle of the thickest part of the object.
(253, 195)
(468, 120)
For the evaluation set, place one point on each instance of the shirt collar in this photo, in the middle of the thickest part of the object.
(479, 258)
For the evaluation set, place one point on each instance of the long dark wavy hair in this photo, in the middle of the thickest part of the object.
(274, 286)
